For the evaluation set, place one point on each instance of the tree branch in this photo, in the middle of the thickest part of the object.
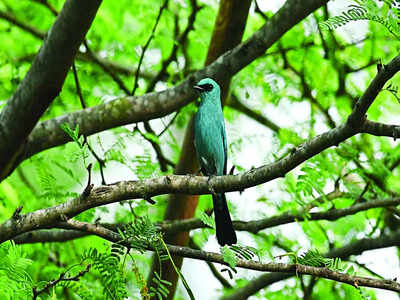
(236, 104)
(128, 110)
(185, 184)
(43, 81)
(179, 42)
(62, 277)
(101, 162)
(356, 281)
(191, 224)
(163, 161)
(144, 48)
(380, 129)
(26, 27)
(357, 116)
(224, 282)
(354, 248)
(285, 218)
(108, 66)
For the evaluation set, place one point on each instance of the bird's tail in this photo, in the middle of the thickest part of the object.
(225, 233)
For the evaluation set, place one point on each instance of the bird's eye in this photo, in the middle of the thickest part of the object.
(207, 87)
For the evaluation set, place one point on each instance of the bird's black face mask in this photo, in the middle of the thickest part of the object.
(203, 87)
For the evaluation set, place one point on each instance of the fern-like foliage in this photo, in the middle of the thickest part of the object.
(315, 259)
(142, 235)
(78, 139)
(111, 270)
(80, 289)
(160, 289)
(14, 277)
(232, 253)
(387, 14)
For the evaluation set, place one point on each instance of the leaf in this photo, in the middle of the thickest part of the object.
(207, 220)
(73, 134)
(229, 256)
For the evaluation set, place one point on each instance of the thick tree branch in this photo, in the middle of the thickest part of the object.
(380, 129)
(128, 110)
(285, 218)
(183, 184)
(191, 224)
(49, 236)
(43, 81)
(386, 72)
(353, 248)
(168, 184)
(356, 281)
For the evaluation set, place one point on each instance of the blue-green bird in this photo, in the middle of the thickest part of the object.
(211, 150)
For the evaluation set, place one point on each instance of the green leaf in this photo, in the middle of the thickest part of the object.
(73, 134)
(229, 256)
(207, 220)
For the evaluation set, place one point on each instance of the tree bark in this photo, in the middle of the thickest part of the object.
(44, 79)
(228, 32)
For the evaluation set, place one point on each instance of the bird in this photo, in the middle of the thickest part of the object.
(211, 151)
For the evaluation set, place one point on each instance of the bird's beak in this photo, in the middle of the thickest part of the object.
(198, 88)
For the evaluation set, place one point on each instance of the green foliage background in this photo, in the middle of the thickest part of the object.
(335, 70)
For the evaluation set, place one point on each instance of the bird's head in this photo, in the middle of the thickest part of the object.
(208, 88)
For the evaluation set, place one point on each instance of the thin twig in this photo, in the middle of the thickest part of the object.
(85, 140)
(62, 277)
(48, 6)
(307, 90)
(258, 10)
(78, 86)
(248, 264)
(179, 42)
(236, 104)
(169, 124)
(89, 185)
(144, 48)
(106, 68)
(164, 162)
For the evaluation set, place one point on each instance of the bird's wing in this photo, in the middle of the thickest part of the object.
(225, 147)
